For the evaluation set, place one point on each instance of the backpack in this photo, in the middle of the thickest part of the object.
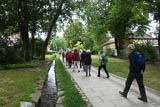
(87, 59)
(77, 56)
(70, 56)
(104, 59)
(140, 60)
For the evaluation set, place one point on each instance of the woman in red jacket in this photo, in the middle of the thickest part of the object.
(76, 59)
(69, 58)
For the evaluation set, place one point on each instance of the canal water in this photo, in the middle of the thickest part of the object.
(49, 92)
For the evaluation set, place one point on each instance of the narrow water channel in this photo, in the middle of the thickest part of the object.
(49, 92)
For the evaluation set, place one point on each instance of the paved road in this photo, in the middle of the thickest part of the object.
(103, 92)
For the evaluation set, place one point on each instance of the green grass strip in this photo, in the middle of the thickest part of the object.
(72, 98)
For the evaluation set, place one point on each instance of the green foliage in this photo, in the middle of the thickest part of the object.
(38, 47)
(58, 43)
(95, 17)
(124, 53)
(117, 18)
(109, 52)
(72, 97)
(11, 54)
(74, 32)
(149, 52)
(53, 56)
(79, 46)
(96, 48)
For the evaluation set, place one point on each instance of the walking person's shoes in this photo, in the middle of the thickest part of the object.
(98, 75)
(120, 92)
(89, 74)
(78, 70)
(107, 76)
(142, 99)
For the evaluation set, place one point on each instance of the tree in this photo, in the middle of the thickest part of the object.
(117, 17)
(154, 7)
(58, 43)
(23, 17)
(62, 10)
(74, 32)
(94, 16)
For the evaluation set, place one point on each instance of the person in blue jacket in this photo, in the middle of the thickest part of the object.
(137, 68)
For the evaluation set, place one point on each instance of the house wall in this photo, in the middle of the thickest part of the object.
(153, 42)
(112, 46)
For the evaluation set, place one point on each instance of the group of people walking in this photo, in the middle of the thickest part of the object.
(136, 68)
(82, 59)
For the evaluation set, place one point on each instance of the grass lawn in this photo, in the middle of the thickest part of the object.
(121, 68)
(17, 84)
(72, 97)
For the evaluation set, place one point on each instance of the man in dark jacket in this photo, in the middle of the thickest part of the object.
(87, 62)
(136, 72)
(82, 59)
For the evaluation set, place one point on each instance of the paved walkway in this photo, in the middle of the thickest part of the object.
(103, 92)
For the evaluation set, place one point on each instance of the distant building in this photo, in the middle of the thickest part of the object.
(144, 39)
(133, 39)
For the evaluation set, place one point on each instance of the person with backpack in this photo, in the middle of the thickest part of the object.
(102, 64)
(137, 68)
(69, 58)
(82, 59)
(87, 62)
(76, 59)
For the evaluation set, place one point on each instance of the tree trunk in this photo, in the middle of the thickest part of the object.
(53, 24)
(25, 40)
(159, 29)
(23, 25)
(117, 46)
(159, 37)
(33, 44)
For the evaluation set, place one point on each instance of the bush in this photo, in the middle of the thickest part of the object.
(124, 53)
(11, 55)
(148, 51)
(110, 52)
(38, 47)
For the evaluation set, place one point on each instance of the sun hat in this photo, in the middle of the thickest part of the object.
(131, 46)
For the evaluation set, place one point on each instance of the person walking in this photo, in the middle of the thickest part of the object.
(87, 62)
(102, 64)
(69, 58)
(137, 68)
(82, 59)
(76, 59)
(67, 52)
(63, 55)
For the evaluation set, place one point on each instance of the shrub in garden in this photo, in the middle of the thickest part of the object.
(149, 52)
(11, 54)
(124, 53)
(38, 47)
(109, 52)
